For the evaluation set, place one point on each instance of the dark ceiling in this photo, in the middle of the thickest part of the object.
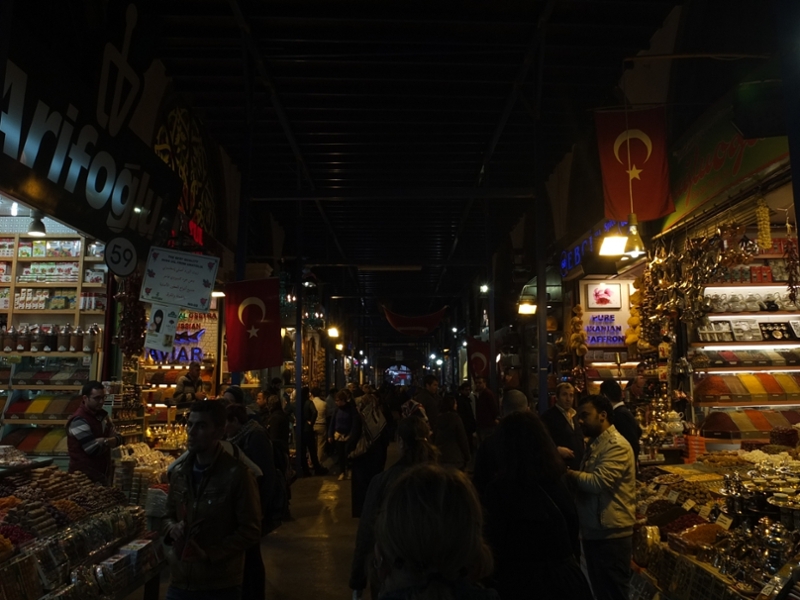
(409, 128)
(396, 143)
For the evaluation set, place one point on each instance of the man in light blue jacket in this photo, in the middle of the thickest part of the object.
(605, 495)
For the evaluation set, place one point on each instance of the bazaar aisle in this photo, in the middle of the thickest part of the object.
(310, 556)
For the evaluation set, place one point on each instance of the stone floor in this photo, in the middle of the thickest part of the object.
(309, 557)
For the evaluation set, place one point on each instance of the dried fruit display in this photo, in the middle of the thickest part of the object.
(576, 334)
(792, 266)
(132, 322)
(762, 219)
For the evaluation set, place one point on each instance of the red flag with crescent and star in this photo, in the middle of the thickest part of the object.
(253, 325)
(633, 158)
(478, 357)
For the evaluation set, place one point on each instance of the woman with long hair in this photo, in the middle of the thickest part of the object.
(413, 434)
(450, 435)
(531, 520)
(429, 543)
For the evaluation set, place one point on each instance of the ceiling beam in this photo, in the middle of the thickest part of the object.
(277, 105)
(444, 193)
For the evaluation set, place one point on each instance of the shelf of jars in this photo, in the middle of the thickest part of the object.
(43, 392)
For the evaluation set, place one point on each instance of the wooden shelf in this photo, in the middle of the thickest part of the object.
(92, 312)
(140, 432)
(94, 285)
(49, 259)
(48, 284)
(746, 284)
(46, 354)
(45, 388)
(781, 344)
(93, 259)
(47, 422)
(763, 403)
(760, 313)
(44, 311)
(50, 236)
(753, 368)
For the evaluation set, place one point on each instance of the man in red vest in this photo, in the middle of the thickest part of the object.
(91, 435)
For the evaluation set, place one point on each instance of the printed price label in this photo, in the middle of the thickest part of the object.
(688, 505)
(725, 522)
(662, 490)
(705, 511)
(673, 496)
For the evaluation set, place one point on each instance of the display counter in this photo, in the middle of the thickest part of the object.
(725, 527)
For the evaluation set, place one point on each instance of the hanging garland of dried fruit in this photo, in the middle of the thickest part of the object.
(576, 334)
(792, 261)
(762, 219)
(132, 321)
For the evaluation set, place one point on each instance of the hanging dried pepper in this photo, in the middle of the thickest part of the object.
(792, 267)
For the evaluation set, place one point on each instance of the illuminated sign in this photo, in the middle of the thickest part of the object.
(572, 256)
(178, 355)
(602, 330)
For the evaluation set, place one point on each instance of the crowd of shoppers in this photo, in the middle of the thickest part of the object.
(545, 493)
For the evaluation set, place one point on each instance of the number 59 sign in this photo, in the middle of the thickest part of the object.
(121, 257)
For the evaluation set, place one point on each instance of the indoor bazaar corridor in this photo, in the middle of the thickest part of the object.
(310, 556)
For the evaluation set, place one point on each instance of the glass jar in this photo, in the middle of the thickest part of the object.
(62, 343)
(50, 338)
(24, 340)
(9, 339)
(90, 338)
(76, 340)
(38, 339)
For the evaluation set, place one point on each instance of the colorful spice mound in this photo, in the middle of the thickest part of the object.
(770, 384)
(712, 385)
(753, 385)
(705, 533)
(783, 436)
(758, 420)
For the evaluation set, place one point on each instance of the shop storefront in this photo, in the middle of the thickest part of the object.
(704, 335)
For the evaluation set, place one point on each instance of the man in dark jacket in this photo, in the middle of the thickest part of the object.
(563, 427)
(213, 513)
(624, 420)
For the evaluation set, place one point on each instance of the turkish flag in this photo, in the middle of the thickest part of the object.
(478, 358)
(253, 325)
(415, 326)
(633, 159)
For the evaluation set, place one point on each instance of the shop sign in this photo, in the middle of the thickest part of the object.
(603, 330)
(177, 355)
(572, 256)
(715, 160)
(179, 279)
(69, 152)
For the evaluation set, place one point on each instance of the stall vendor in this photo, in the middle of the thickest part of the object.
(91, 436)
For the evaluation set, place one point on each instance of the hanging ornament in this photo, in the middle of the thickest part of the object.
(762, 218)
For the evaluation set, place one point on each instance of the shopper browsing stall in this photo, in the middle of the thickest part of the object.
(91, 435)
(190, 387)
(605, 496)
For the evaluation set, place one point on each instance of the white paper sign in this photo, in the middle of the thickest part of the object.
(724, 521)
(179, 279)
(161, 327)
